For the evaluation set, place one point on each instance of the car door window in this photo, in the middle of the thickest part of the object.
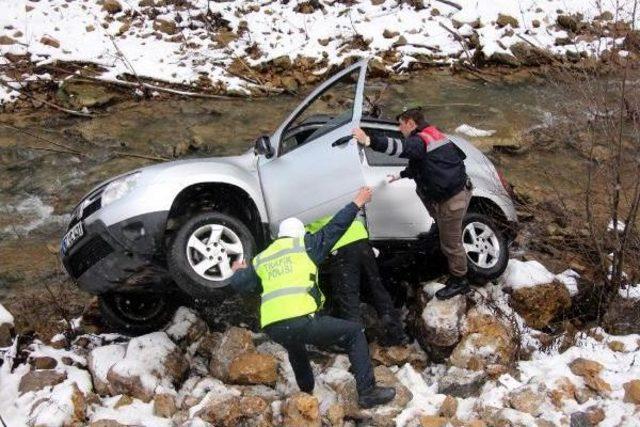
(331, 109)
(375, 158)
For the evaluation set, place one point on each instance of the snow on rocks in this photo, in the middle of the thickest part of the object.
(151, 362)
(205, 43)
(473, 132)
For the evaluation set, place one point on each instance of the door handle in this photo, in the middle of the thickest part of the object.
(342, 141)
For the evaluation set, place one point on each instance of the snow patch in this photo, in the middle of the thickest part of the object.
(630, 292)
(5, 316)
(473, 132)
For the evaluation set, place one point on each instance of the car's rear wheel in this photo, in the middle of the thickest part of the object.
(136, 313)
(486, 247)
(202, 252)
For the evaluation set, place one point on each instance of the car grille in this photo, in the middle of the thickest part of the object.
(92, 204)
(89, 254)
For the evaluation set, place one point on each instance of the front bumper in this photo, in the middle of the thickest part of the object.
(126, 254)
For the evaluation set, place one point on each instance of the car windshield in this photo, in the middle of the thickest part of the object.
(335, 102)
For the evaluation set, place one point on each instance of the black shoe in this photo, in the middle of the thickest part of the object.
(376, 396)
(454, 286)
(394, 333)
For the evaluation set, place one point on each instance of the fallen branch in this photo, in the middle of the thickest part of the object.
(459, 39)
(44, 101)
(48, 141)
(450, 3)
(141, 156)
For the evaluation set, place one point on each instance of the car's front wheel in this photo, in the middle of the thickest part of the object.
(486, 247)
(202, 252)
(136, 313)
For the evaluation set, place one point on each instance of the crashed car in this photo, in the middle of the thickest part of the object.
(142, 239)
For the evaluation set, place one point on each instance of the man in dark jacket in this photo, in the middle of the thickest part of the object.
(437, 166)
(286, 274)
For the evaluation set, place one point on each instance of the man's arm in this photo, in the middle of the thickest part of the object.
(409, 148)
(244, 279)
(319, 245)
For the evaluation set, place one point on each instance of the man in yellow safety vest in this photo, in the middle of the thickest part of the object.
(287, 272)
(351, 265)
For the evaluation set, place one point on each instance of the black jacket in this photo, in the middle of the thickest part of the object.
(318, 246)
(439, 173)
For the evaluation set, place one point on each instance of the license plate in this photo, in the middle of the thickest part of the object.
(72, 237)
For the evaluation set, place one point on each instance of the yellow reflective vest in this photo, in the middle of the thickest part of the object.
(356, 231)
(289, 281)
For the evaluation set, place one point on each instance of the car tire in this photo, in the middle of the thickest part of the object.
(137, 313)
(486, 247)
(183, 257)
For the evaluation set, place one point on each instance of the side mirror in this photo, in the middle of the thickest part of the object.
(263, 146)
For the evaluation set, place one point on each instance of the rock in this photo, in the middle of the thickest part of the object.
(253, 368)
(301, 410)
(335, 414)
(486, 341)
(632, 392)
(100, 361)
(234, 341)
(225, 412)
(622, 316)
(449, 407)
(461, 383)
(165, 26)
(390, 356)
(564, 389)
(37, 380)
(590, 373)
(186, 327)
(567, 22)
(539, 305)
(503, 58)
(526, 399)
(6, 327)
(433, 421)
(281, 63)
(377, 2)
(164, 405)
(580, 419)
(67, 403)
(208, 344)
(529, 55)
(388, 34)
(377, 69)
(84, 94)
(150, 361)
(632, 41)
(106, 423)
(50, 41)
(439, 326)
(6, 40)
(290, 84)
(504, 20)
(616, 346)
(535, 23)
(44, 362)
(595, 415)
(124, 400)
(112, 6)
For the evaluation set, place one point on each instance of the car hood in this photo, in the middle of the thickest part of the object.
(168, 170)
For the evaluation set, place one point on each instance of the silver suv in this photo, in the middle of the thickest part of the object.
(143, 238)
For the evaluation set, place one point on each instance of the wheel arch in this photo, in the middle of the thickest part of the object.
(220, 196)
(489, 207)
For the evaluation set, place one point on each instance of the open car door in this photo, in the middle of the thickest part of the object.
(316, 168)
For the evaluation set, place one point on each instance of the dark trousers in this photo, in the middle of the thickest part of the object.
(323, 331)
(351, 269)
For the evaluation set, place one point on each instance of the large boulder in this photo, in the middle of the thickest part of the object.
(539, 305)
(253, 368)
(150, 361)
(6, 327)
(462, 383)
(439, 325)
(186, 327)
(632, 391)
(486, 340)
(234, 342)
(100, 361)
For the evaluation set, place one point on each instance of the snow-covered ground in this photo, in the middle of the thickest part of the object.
(199, 39)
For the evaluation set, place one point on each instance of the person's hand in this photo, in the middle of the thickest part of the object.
(363, 197)
(238, 265)
(393, 178)
(361, 137)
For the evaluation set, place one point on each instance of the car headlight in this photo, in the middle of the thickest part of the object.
(117, 189)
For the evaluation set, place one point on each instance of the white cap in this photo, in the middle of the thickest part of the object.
(291, 227)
